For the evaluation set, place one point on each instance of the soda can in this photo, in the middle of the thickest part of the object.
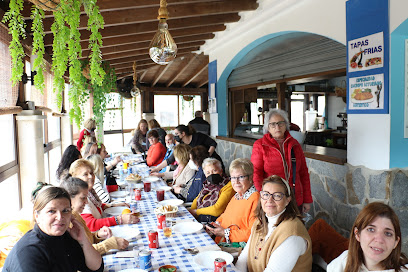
(145, 260)
(220, 265)
(133, 206)
(161, 221)
(153, 239)
(138, 194)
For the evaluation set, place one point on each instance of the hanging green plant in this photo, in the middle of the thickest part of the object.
(38, 47)
(17, 30)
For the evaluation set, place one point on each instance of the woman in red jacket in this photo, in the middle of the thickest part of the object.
(157, 151)
(272, 155)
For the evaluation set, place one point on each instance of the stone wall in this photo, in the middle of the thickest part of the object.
(341, 191)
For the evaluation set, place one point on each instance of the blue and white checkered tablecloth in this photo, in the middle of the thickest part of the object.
(171, 250)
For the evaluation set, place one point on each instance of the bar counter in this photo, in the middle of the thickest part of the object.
(327, 154)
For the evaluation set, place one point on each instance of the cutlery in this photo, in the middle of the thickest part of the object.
(191, 250)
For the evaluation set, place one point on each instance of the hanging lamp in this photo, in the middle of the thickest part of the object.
(135, 90)
(162, 48)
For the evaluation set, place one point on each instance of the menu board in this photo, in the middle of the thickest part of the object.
(366, 92)
(366, 53)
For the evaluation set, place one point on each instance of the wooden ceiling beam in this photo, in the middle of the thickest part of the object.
(149, 14)
(184, 90)
(140, 28)
(143, 75)
(145, 53)
(161, 72)
(200, 84)
(196, 73)
(182, 68)
(138, 60)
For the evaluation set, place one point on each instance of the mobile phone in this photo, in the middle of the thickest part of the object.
(211, 226)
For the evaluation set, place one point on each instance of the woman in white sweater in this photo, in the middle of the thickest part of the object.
(99, 178)
(375, 243)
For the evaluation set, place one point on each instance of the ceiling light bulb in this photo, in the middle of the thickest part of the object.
(162, 49)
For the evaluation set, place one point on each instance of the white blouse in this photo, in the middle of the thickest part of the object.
(289, 250)
(339, 264)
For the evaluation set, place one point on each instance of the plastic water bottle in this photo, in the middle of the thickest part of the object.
(121, 174)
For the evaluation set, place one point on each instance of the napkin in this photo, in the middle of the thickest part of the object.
(208, 248)
(124, 254)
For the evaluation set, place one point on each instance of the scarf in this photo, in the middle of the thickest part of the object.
(210, 193)
(94, 198)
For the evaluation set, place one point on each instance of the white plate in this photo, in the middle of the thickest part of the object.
(119, 194)
(206, 259)
(187, 227)
(151, 179)
(165, 188)
(363, 101)
(133, 270)
(172, 202)
(115, 210)
(125, 232)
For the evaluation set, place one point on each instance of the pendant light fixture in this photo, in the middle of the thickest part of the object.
(162, 48)
(135, 90)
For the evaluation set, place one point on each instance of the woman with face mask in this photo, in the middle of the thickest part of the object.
(215, 195)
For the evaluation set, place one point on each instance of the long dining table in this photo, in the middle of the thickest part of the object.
(171, 250)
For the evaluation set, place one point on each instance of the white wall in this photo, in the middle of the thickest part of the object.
(368, 135)
(335, 105)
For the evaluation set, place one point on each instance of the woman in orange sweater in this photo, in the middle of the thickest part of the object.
(157, 151)
(236, 222)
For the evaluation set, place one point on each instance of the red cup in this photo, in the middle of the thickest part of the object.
(147, 186)
(160, 195)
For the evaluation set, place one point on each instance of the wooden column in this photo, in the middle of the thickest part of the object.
(281, 87)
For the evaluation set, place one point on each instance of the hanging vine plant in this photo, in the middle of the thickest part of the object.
(38, 47)
(17, 30)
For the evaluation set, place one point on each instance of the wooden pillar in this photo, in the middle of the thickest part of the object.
(281, 87)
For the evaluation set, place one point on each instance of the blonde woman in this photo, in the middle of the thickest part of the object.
(97, 162)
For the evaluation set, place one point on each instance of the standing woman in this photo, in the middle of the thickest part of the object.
(53, 245)
(375, 243)
(70, 155)
(186, 135)
(139, 139)
(273, 155)
(89, 130)
(154, 125)
(279, 240)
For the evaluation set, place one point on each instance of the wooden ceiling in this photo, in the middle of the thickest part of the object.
(130, 25)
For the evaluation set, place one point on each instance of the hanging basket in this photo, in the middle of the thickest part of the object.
(47, 5)
(187, 97)
(341, 91)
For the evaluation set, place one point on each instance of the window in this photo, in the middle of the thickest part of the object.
(297, 112)
(166, 110)
(188, 108)
(8, 153)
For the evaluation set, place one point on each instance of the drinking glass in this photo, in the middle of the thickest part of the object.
(167, 228)
(160, 195)
(147, 186)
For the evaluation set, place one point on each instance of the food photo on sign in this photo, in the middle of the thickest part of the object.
(366, 92)
(366, 53)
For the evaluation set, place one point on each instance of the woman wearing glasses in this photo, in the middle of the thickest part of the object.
(277, 234)
(235, 224)
(273, 155)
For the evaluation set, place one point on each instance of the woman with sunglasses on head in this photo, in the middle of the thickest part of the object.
(276, 153)
(279, 240)
(235, 224)
(375, 243)
(89, 130)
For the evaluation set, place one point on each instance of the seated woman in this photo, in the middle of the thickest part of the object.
(215, 195)
(154, 125)
(157, 151)
(102, 240)
(183, 173)
(70, 155)
(236, 222)
(192, 188)
(100, 149)
(375, 243)
(92, 213)
(97, 162)
(53, 245)
(278, 233)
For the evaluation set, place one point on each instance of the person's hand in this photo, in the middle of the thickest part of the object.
(176, 189)
(122, 243)
(153, 169)
(306, 207)
(217, 230)
(129, 219)
(155, 174)
(77, 232)
(121, 204)
(193, 212)
(116, 160)
(104, 233)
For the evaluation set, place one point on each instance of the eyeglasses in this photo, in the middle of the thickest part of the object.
(275, 196)
(240, 178)
(279, 124)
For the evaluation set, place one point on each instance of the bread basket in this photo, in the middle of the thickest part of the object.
(164, 210)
